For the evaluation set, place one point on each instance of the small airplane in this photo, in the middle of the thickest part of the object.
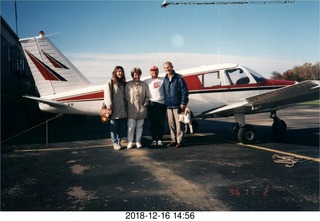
(221, 90)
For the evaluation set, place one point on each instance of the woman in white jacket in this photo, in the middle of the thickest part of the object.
(137, 97)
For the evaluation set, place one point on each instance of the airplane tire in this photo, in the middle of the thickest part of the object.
(279, 127)
(247, 134)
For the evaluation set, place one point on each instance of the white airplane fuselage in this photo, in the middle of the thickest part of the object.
(202, 97)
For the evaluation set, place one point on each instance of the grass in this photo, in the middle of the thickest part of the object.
(313, 103)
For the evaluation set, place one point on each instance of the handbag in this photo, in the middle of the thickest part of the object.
(104, 114)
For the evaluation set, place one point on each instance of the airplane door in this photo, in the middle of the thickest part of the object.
(235, 81)
(212, 97)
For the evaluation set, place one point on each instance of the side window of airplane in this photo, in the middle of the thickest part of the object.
(210, 79)
(236, 76)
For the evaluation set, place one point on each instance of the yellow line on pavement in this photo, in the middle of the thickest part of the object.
(281, 152)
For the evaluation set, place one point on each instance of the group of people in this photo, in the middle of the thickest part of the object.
(130, 103)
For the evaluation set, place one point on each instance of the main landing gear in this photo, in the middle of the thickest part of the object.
(247, 134)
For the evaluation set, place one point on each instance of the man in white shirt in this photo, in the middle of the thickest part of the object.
(156, 108)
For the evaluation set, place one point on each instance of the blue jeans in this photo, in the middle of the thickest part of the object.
(118, 128)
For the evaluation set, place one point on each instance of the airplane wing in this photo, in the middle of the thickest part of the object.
(52, 103)
(271, 100)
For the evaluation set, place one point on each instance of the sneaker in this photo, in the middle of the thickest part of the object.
(154, 143)
(130, 144)
(138, 144)
(160, 143)
(116, 146)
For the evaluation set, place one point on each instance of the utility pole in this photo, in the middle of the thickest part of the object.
(16, 16)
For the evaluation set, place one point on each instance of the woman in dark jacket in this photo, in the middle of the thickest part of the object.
(176, 99)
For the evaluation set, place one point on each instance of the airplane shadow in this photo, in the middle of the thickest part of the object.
(77, 128)
(223, 132)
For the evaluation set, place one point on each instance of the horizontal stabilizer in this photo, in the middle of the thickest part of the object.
(49, 102)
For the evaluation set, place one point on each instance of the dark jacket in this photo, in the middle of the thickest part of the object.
(175, 91)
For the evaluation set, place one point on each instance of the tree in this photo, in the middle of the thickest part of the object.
(276, 75)
(307, 71)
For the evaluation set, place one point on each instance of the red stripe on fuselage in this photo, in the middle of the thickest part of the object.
(268, 84)
(194, 85)
(226, 89)
(98, 95)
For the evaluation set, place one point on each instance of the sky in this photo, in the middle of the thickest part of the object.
(98, 35)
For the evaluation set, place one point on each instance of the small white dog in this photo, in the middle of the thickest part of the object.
(185, 118)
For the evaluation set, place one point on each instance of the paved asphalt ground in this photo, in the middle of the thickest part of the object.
(213, 172)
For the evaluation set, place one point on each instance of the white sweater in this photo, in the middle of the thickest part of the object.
(156, 89)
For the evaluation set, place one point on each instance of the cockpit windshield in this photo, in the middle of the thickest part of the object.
(256, 76)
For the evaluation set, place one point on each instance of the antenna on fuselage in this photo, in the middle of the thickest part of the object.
(166, 4)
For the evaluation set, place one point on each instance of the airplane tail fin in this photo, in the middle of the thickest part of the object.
(52, 71)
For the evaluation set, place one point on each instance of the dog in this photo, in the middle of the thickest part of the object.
(186, 119)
